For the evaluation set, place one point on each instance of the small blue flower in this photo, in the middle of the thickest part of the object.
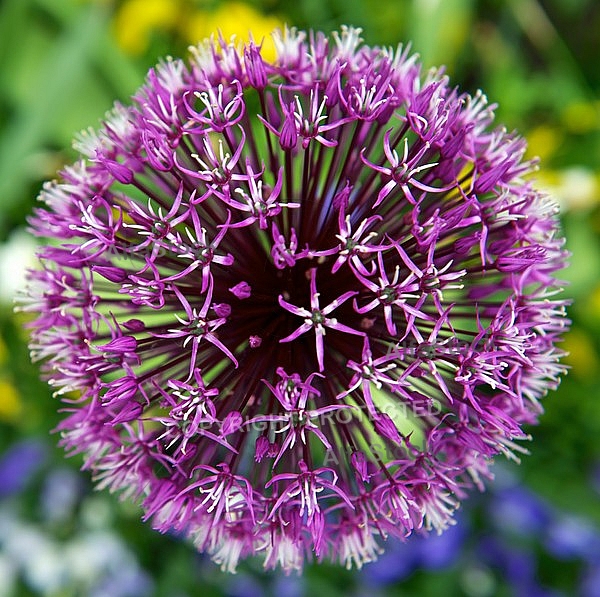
(520, 510)
(19, 464)
(571, 537)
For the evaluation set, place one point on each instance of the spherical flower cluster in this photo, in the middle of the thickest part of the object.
(295, 307)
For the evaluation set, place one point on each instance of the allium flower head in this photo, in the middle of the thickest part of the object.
(295, 307)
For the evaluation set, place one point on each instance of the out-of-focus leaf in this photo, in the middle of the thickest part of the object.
(584, 270)
(439, 29)
(64, 95)
(116, 72)
(12, 23)
(58, 77)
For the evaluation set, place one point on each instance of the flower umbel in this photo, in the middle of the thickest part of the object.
(297, 306)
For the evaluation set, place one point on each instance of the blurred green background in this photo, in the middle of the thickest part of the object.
(537, 531)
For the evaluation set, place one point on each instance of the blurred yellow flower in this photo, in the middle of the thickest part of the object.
(542, 142)
(137, 19)
(592, 304)
(582, 117)
(10, 403)
(234, 19)
(582, 355)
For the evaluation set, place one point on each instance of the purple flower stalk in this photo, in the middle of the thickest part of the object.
(297, 307)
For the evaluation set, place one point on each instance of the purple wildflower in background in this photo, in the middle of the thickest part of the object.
(297, 307)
